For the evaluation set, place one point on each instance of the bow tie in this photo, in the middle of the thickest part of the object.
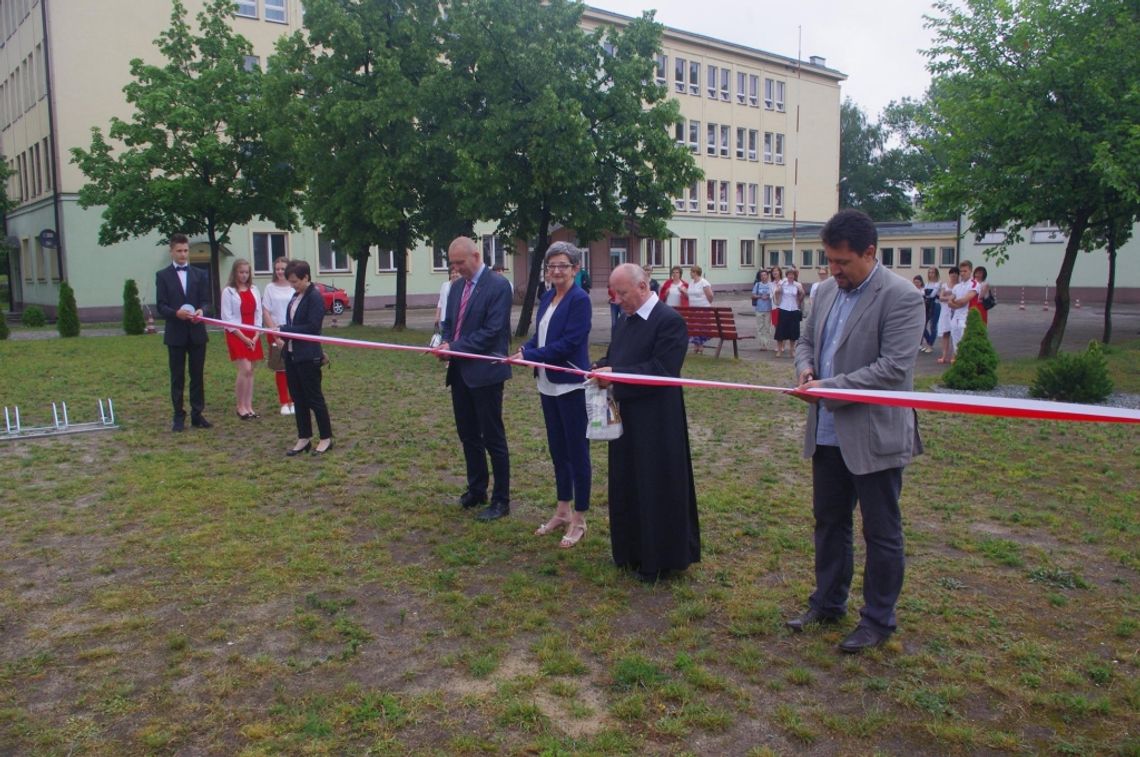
(181, 267)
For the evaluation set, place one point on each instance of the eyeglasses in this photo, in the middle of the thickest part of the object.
(558, 266)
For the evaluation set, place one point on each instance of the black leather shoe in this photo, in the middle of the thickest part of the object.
(495, 511)
(200, 422)
(470, 499)
(319, 452)
(295, 452)
(863, 637)
(811, 617)
(179, 424)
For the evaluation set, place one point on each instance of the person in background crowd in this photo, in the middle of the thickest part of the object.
(441, 304)
(562, 338)
(675, 291)
(305, 315)
(653, 285)
(983, 289)
(946, 314)
(652, 498)
(181, 291)
(775, 277)
(930, 294)
(700, 296)
(965, 292)
(789, 299)
(762, 304)
(502, 271)
(241, 305)
(274, 301)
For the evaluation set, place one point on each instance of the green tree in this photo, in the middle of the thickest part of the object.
(561, 125)
(197, 155)
(67, 316)
(1030, 102)
(871, 178)
(976, 360)
(133, 321)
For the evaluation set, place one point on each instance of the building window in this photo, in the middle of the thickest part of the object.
(695, 197)
(724, 197)
(694, 136)
(267, 247)
(767, 147)
(753, 90)
(694, 78)
(789, 258)
(949, 256)
(679, 202)
(991, 237)
(773, 258)
(905, 257)
(741, 87)
(753, 138)
(494, 251)
(660, 67)
(1047, 235)
(251, 63)
(747, 253)
(767, 199)
(679, 133)
(385, 261)
(780, 96)
(806, 258)
(330, 259)
(275, 11)
(725, 75)
(740, 198)
(821, 258)
(753, 190)
(724, 131)
(438, 258)
(710, 146)
(712, 80)
(717, 253)
(769, 91)
(246, 8)
(778, 204)
(779, 149)
(927, 257)
(740, 143)
(710, 196)
(679, 68)
(688, 252)
(655, 253)
(887, 256)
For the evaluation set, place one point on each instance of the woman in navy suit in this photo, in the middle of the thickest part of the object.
(562, 338)
(304, 315)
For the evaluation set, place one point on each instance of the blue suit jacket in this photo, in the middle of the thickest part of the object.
(567, 337)
(308, 319)
(486, 329)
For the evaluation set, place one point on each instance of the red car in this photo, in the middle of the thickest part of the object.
(336, 300)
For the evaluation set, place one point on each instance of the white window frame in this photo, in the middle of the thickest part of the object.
(338, 256)
(768, 137)
(780, 86)
(723, 197)
(741, 87)
(778, 202)
(245, 8)
(806, 256)
(887, 256)
(710, 196)
(725, 79)
(654, 253)
(740, 198)
(769, 87)
(695, 136)
(767, 199)
(688, 252)
(710, 87)
(695, 78)
(928, 256)
(754, 90)
(680, 67)
(747, 253)
(495, 249)
(385, 260)
(789, 259)
(821, 258)
(268, 236)
(753, 193)
(661, 69)
(439, 260)
(948, 256)
(779, 152)
(695, 197)
(906, 257)
(740, 132)
(753, 142)
(710, 139)
(725, 140)
(718, 253)
(275, 11)
(679, 133)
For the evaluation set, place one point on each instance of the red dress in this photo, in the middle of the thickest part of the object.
(238, 350)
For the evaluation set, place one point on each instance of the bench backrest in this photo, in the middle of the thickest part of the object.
(719, 323)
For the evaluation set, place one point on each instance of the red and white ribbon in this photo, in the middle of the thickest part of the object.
(952, 403)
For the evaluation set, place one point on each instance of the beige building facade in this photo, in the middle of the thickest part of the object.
(763, 127)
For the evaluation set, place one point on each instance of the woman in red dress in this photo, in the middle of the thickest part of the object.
(241, 304)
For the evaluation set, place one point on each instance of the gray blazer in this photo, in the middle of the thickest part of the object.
(877, 350)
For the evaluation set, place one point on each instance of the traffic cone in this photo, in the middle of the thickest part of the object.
(1022, 305)
(333, 325)
(150, 329)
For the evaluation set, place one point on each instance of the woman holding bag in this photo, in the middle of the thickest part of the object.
(562, 339)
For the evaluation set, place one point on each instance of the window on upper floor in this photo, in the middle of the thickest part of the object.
(779, 153)
(694, 136)
(724, 137)
(710, 141)
(769, 93)
(741, 87)
(723, 197)
(694, 197)
(694, 77)
(712, 81)
(710, 195)
(246, 8)
(680, 67)
(753, 138)
(780, 96)
(753, 90)
(725, 75)
(275, 11)
(768, 147)
(661, 68)
(679, 133)
(778, 202)
(753, 191)
(740, 143)
(767, 199)
(740, 198)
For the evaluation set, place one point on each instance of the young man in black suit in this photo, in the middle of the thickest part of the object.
(478, 321)
(180, 292)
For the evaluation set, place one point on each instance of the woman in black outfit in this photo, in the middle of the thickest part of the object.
(304, 315)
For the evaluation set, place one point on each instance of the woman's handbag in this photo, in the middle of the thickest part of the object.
(603, 417)
(275, 361)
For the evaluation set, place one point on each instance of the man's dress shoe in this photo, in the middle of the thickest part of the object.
(495, 511)
(812, 616)
(470, 499)
(863, 637)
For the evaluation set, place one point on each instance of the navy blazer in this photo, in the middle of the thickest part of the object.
(486, 329)
(567, 336)
(169, 298)
(307, 320)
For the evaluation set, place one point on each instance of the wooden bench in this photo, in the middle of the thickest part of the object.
(714, 323)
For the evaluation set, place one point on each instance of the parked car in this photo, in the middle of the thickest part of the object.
(336, 300)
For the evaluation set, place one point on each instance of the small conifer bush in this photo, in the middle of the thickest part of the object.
(133, 320)
(1074, 377)
(33, 316)
(4, 331)
(67, 318)
(975, 364)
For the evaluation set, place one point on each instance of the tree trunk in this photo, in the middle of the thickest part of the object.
(1106, 337)
(361, 258)
(1051, 344)
(215, 271)
(403, 232)
(535, 272)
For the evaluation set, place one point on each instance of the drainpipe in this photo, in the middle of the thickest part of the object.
(52, 141)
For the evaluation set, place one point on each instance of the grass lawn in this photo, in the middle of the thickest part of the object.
(202, 594)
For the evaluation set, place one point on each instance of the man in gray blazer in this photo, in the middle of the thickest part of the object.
(862, 334)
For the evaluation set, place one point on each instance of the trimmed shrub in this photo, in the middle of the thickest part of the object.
(1074, 377)
(975, 364)
(33, 316)
(4, 331)
(67, 317)
(133, 320)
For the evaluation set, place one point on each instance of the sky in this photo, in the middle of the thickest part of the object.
(874, 42)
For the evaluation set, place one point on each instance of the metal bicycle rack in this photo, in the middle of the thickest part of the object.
(61, 422)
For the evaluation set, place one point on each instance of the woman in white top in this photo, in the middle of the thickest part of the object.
(241, 305)
(274, 302)
(700, 296)
(441, 306)
(789, 300)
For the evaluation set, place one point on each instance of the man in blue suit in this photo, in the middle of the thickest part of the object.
(180, 292)
(478, 321)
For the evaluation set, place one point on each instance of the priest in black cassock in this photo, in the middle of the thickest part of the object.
(653, 504)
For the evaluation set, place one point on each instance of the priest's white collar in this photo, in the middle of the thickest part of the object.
(647, 307)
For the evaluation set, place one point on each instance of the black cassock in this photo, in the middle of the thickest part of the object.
(653, 504)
